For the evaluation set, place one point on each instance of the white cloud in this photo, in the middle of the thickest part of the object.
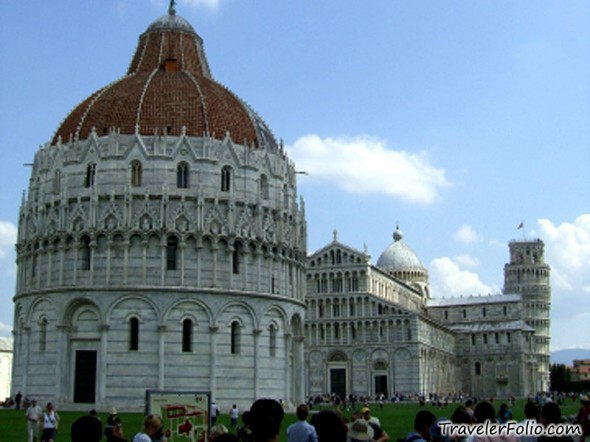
(448, 279)
(568, 246)
(466, 234)
(567, 251)
(5, 330)
(364, 165)
(7, 239)
(466, 261)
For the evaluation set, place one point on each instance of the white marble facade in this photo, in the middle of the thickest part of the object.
(373, 329)
(186, 264)
(164, 258)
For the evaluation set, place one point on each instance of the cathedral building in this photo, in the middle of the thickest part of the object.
(375, 329)
(161, 244)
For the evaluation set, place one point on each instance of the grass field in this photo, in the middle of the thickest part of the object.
(397, 419)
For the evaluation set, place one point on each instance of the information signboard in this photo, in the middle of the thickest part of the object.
(185, 413)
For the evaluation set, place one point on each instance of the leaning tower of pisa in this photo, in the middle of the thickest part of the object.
(527, 274)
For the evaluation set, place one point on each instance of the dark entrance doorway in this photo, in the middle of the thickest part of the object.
(85, 377)
(338, 381)
(381, 384)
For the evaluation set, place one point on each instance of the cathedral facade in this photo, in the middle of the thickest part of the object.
(375, 329)
(161, 244)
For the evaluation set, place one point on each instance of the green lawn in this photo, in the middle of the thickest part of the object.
(397, 419)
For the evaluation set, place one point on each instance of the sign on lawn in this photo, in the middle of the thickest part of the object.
(185, 413)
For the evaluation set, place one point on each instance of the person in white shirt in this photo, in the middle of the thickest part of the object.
(50, 423)
(233, 417)
(33, 414)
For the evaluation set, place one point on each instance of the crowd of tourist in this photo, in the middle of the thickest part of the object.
(263, 421)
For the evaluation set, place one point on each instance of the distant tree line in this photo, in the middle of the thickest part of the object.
(561, 380)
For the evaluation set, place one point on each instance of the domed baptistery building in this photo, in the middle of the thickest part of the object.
(161, 244)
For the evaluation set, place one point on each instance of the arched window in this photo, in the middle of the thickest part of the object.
(226, 175)
(182, 171)
(264, 192)
(43, 335)
(57, 182)
(477, 368)
(171, 253)
(90, 175)
(236, 334)
(85, 254)
(187, 335)
(272, 344)
(483, 312)
(235, 261)
(136, 172)
(134, 334)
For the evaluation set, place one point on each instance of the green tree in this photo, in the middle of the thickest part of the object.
(560, 377)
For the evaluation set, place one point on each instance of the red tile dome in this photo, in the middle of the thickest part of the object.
(168, 89)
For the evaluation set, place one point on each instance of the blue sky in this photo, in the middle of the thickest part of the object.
(455, 119)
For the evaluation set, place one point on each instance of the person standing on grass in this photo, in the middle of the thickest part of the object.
(301, 431)
(33, 415)
(233, 417)
(50, 423)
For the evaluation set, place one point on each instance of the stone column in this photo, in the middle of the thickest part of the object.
(26, 337)
(289, 366)
(145, 244)
(298, 370)
(163, 261)
(126, 245)
(199, 250)
(63, 363)
(214, 250)
(109, 251)
(102, 370)
(92, 246)
(49, 265)
(256, 334)
(161, 355)
(212, 360)
(182, 247)
(61, 262)
(39, 265)
(258, 268)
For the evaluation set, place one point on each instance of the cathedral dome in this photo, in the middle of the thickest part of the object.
(168, 89)
(400, 261)
(399, 256)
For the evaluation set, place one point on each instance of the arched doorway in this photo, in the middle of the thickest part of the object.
(338, 374)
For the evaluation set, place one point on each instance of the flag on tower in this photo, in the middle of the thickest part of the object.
(520, 226)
